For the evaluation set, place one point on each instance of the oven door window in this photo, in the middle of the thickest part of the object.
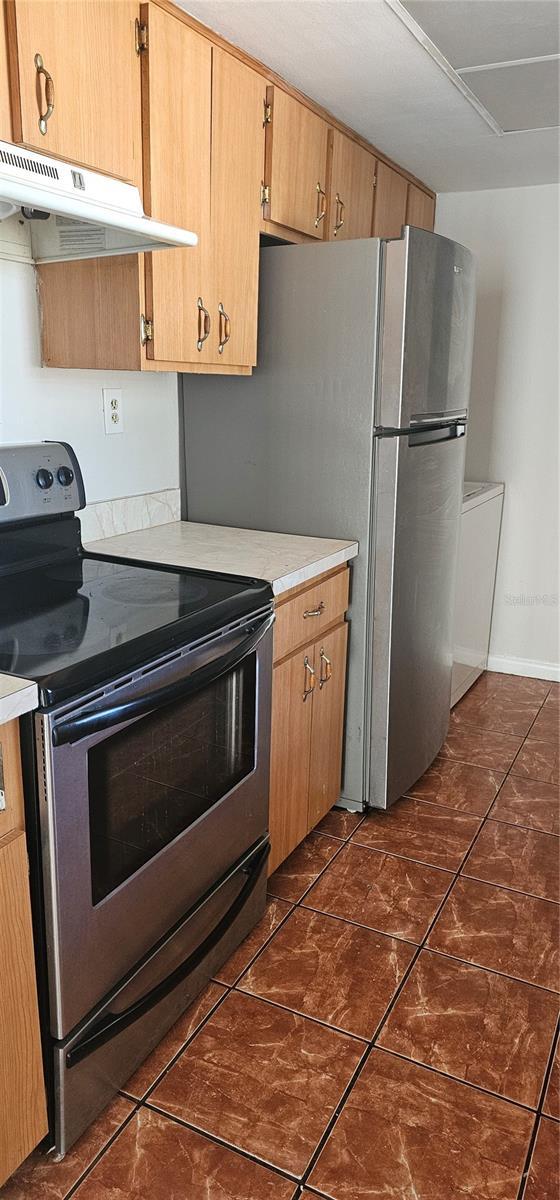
(149, 782)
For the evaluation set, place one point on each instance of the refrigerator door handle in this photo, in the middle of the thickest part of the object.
(421, 431)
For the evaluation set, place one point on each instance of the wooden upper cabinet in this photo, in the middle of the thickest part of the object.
(420, 208)
(389, 212)
(296, 165)
(352, 189)
(81, 56)
(177, 99)
(5, 117)
(238, 95)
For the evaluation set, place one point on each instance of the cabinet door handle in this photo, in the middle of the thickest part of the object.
(328, 669)
(308, 691)
(315, 612)
(204, 323)
(321, 205)
(49, 93)
(225, 328)
(339, 215)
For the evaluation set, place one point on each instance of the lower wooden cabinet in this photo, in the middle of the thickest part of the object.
(23, 1121)
(308, 691)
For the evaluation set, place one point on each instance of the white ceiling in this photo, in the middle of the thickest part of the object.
(361, 61)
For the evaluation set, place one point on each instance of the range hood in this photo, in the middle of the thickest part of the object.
(75, 213)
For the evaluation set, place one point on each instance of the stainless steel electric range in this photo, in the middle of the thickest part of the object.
(146, 777)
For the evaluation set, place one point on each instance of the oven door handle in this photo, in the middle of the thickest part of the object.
(114, 1023)
(103, 718)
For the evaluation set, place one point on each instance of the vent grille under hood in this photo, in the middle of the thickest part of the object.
(76, 213)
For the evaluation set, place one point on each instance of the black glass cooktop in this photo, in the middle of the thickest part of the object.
(76, 623)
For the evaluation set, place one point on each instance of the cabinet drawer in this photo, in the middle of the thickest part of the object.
(301, 619)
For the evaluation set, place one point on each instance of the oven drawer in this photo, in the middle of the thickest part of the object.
(101, 1055)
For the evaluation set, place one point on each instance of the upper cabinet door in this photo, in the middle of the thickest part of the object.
(420, 208)
(352, 189)
(176, 95)
(238, 97)
(296, 165)
(389, 213)
(78, 95)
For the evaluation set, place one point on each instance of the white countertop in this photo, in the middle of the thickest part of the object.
(283, 559)
(478, 493)
(17, 696)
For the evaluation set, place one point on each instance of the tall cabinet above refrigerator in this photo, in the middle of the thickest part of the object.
(353, 426)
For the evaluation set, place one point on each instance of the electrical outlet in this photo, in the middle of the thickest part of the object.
(113, 410)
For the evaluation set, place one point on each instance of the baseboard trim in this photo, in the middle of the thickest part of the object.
(524, 666)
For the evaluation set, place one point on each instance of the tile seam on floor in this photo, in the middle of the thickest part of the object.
(218, 1141)
(291, 906)
(296, 1012)
(407, 857)
(538, 1119)
(460, 812)
(184, 1046)
(529, 828)
(317, 877)
(548, 1071)
(506, 887)
(491, 970)
(476, 1087)
(106, 1146)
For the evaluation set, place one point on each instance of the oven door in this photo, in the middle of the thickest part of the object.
(153, 787)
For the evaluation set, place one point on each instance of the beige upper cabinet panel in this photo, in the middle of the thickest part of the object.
(92, 73)
(352, 189)
(238, 95)
(296, 165)
(176, 93)
(420, 208)
(389, 213)
(5, 118)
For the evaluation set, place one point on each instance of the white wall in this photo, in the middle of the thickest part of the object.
(513, 430)
(37, 403)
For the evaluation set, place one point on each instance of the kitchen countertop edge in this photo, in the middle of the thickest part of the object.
(17, 696)
(308, 560)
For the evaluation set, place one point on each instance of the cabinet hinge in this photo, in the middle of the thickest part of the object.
(146, 330)
(267, 114)
(374, 181)
(140, 36)
(265, 193)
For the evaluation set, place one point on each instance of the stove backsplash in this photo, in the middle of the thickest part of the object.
(124, 515)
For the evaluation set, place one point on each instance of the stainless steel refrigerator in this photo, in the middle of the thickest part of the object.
(353, 426)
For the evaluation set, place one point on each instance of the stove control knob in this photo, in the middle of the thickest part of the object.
(44, 478)
(65, 476)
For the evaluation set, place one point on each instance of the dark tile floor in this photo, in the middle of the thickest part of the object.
(390, 1029)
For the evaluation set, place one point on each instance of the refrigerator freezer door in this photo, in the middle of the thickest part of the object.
(428, 326)
(417, 523)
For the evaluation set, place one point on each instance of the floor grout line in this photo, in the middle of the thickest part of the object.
(218, 1141)
(106, 1146)
(539, 1116)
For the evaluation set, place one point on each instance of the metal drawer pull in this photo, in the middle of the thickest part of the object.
(49, 93)
(225, 328)
(321, 205)
(315, 612)
(328, 669)
(204, 323)
(309, 691)
(339, 215)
